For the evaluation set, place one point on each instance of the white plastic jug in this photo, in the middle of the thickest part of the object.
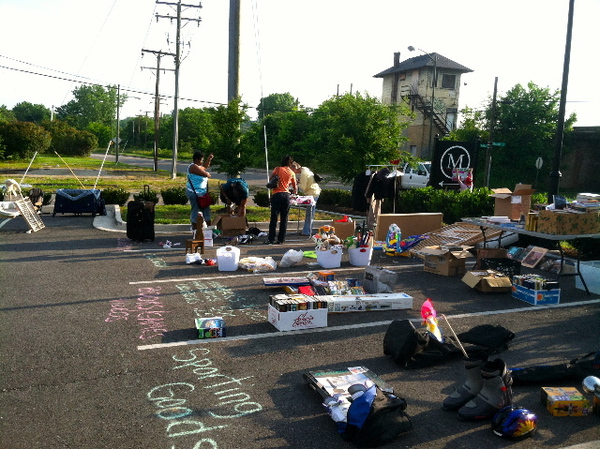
(228, 258)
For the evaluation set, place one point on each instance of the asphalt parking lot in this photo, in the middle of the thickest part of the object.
(99, 349)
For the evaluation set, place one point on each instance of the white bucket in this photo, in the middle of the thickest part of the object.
(331, 258)
(360, 257)
(228, 258)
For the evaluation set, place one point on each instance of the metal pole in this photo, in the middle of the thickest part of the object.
(560, 128)
(234, 50)
(118, 125)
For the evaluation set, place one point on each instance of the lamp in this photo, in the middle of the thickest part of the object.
(434, 82)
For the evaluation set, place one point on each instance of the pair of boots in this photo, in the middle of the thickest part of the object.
(486, 390)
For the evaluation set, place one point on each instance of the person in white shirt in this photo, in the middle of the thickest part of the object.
(309, 187)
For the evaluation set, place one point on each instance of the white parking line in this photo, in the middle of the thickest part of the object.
(355, 326)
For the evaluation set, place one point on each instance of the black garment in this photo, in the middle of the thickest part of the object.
(359, 190)
(382, 186)
(280, 207)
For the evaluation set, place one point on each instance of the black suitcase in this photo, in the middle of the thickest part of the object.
(140, 220)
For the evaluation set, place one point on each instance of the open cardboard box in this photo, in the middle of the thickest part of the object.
(488, 281)
(512, 204)
(230, 226)
(446, 260)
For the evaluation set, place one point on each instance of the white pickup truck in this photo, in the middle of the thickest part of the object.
(415, 177)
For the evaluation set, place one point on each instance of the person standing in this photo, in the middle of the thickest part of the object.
(280, 200)
(309, 187)
(197, 185)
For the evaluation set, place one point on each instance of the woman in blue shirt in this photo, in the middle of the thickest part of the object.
(197, 185)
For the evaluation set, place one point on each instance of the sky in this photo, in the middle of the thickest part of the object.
(312, 49)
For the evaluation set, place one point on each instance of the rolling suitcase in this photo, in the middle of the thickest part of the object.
(140, 220)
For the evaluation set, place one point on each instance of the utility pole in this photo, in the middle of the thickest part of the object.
(233, 84)
(158, 54)
(118, 124)
(178, 18)
(488, 151)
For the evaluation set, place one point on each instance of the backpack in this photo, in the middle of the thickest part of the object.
(317, 178)
(386, 421)
(417, 348)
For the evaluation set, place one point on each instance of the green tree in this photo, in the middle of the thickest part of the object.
(27, 112)
(70, 141)
(92, 103)
(225, 138)
(23, 139)
(354, 130)
(525, 121)
(103, 133)
(286, 133)
(6, 115)
(276, 103)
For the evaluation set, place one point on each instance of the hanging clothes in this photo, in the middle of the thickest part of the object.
(359, 189)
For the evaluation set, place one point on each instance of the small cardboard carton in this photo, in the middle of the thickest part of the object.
(231, 226)
(488, 281)
(343, 229)
(565, 401)
(211, 327)
(565, 222)
(513, 204)
(297, 320)
(536, 297)
(446, 260)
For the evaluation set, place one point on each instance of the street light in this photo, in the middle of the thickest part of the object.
(434, 82)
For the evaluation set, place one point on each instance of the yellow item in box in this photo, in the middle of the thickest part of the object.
(565, 401)
(565, 222)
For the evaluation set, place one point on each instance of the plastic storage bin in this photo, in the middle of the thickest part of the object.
(360, 257)
(331, 258)
(228, 258)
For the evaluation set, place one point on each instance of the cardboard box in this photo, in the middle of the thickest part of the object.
(343, 229)
(446, 261)
(563, 222)
(409, 224)
(565, 401)
(488, 281)
(513, 204)
(536, 297)
(230, 226)
(211, 327)
(368, 303)
(297, 320)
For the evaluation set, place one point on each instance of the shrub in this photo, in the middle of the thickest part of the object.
(146, 195)
(112, 195)
(336, 197)
(261, 198)
(174, 195)
(22, 139)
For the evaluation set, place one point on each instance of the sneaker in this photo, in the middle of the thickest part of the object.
(268, 242)
(278, 242)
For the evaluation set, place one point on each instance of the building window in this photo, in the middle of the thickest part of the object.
(448, 81)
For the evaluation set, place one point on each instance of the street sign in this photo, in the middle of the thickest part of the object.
(539, 162)
(495, 144)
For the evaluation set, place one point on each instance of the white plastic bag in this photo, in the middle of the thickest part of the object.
(291, 257)
(258, 264)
